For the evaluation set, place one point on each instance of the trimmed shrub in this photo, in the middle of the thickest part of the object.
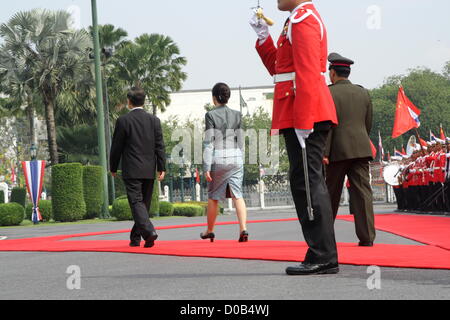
(11, 214)
(2, 196)
(165, 209)
(45, 207)
(187, 210)
(119, 185)
(154, 206)
(19, 195)
(121, 210)
(204, 205)
(67, 192)
(93, 191)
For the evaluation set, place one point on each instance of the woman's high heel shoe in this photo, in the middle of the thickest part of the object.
(210, 236)
(243, 237)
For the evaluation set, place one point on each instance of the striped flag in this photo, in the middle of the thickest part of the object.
(34, 178)
(13, 174)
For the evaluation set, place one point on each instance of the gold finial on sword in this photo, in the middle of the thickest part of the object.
(261, 16)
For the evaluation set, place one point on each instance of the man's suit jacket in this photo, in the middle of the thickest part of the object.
(138, 141)
(350, 139)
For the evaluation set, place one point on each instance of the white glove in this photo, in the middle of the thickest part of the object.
(302, 135)
(260, 26)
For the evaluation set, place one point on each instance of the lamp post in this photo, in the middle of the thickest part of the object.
(169, 159)
(33, 152)
(100, 109)
(182, 176)
(193, 183)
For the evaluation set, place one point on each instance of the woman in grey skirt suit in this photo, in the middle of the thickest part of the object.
(224, 160)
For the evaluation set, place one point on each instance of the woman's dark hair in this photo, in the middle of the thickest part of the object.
(136, 96)
(222, 93)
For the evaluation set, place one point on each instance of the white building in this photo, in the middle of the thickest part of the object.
(189, 104)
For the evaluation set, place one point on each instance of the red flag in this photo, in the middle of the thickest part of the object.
(374, 149)
(403, 150)
(406, 115)
(442, 134)
(423, 143)
(197, 175)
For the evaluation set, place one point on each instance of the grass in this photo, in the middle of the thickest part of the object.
(29, 223)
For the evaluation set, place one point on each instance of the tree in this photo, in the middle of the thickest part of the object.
(57, 58)
(152, 62)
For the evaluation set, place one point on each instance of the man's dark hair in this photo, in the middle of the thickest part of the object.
(136, 96)
(341, 71)
(222, 93)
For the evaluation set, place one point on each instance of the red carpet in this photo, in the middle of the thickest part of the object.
(430, 230)
(432, 256)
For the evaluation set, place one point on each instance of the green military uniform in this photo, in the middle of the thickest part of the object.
(349, 151)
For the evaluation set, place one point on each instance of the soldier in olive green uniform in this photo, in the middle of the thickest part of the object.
(349, 150)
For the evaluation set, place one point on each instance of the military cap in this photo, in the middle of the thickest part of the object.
(336, 60)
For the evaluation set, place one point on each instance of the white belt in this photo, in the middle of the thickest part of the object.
(283, 77)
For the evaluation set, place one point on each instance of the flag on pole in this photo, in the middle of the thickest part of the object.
(442, 134)
(380, 147)
(34, 178)
(197, 176)
(13, 174)
(406, 115)
(374, 149)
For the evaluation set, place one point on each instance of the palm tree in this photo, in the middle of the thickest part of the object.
(152, 62)
(57, 57)
(16, 83)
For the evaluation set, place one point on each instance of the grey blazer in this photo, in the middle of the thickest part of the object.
(223, 135)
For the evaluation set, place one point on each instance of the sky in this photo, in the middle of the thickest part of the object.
(383, 37)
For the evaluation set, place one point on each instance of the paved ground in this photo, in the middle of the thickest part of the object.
(131, 276)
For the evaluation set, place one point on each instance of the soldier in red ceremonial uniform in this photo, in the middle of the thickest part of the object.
(303, 112)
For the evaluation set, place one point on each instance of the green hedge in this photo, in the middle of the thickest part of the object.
(45, 207)
(204, 205)
(188, 210)
(11, 214)
(19, 195)
(121, 210)
(2, 196)
(67, 192)
(154, 206)
(165, 209)
(93, 191)
(119, 185)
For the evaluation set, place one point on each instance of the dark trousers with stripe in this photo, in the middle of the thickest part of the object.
(319, 234)
(361, 199)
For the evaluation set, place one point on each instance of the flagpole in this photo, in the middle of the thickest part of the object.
(100, 111)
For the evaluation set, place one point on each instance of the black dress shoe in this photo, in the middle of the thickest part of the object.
(150, 241)
(310, 269)
(135, 243)
(365, 244)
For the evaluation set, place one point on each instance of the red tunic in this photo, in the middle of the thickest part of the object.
(301, 48)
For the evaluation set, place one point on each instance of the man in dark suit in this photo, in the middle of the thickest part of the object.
(139, 142)
(348, 150)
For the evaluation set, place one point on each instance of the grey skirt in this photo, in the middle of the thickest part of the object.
(227, 173)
